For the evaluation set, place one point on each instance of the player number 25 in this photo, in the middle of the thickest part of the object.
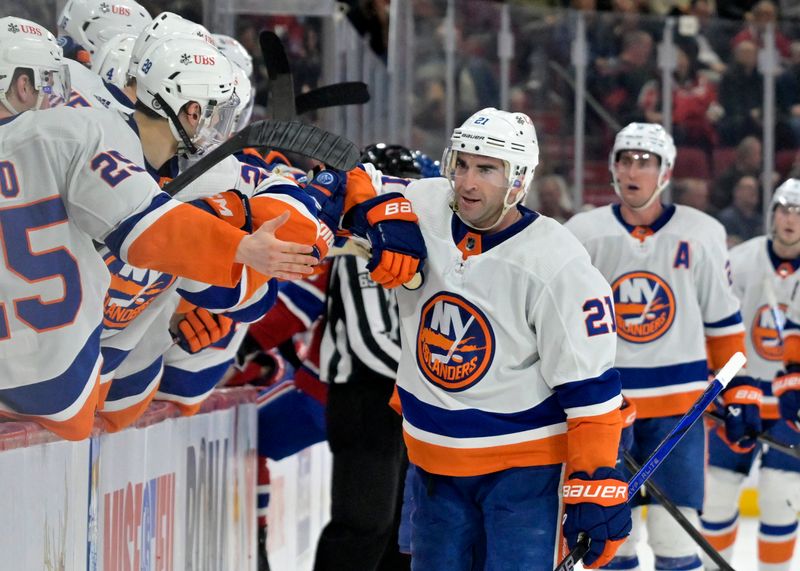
(17, 224)
(600, 318)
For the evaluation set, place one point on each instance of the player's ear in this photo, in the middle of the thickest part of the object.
(23, 90)
(192, 110)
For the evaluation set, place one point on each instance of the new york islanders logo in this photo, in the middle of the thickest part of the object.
(764, 332)
(455, 344)
(645, 306)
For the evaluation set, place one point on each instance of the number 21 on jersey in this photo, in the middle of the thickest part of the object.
(600, 317)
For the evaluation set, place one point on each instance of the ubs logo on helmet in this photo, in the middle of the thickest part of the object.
(764, 332)
(645, 306)
(455, 343)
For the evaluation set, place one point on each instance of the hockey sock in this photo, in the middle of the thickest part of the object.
(776, 546)
(721, 535)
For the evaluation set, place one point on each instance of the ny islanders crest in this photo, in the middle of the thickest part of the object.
(455, 343)
(645, 306)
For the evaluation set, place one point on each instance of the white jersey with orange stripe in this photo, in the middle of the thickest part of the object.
(508, 340)
(64, 182)
(766, 286)
(672, 294)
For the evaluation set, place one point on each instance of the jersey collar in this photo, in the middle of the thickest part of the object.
(119, 95)
(8, 120)
(660, 222)
(782, 267)
(472, 242)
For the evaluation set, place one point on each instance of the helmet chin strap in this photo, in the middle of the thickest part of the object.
(175, 126)
(7, 104)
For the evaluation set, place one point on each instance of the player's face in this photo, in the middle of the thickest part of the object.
(637, 175)
(480, 185)
(787, 225)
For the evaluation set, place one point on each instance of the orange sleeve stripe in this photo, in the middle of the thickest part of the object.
(117, 420)
(722, 348)
(667, 405)
(78, 427)
(593, 441)
(773, 553)
(255, 281)
(188, 409)
(791, 349)
(191, 243)
(478, 461)
(185, 306)
(299, 228)
(272, 157)
(394, 401)
(359, 188)
(769, 411)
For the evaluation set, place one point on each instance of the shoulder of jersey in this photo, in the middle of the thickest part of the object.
(553, 247)
(697, 224)
(593, 223)
(747, 251)
(66, 122)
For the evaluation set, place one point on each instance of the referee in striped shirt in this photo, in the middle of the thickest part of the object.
(358, 359)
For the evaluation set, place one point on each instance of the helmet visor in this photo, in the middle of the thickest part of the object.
(216, 123)
(454, 169)
(53, 85)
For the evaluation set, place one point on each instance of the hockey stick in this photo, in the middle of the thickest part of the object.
(654, 490)
(284, 136)
(763, 437)
(666, 446)
(334, 95)
(361, 248)
(281, 102)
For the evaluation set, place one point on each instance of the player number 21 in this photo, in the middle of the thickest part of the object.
(600, 318)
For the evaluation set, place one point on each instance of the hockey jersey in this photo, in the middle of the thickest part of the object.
(765, 284)
(672, 296)
(87, 89)
(508, 347)
(63, 184)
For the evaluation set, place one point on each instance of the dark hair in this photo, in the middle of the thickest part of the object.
(22, 71)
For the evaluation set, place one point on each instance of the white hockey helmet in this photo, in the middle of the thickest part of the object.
(165, 25)
(235, 52)
(510, 137)
(27, 45)
(112, 60)
(91, 23)
(246, 94)
(787, 194)
(649, 137)
(178, 70)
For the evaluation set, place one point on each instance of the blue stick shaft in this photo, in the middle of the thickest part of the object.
(664, 448)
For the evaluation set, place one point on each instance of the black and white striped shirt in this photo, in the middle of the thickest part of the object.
(361, 337)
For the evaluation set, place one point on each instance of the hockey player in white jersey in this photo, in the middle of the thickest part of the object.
(85, 25)
(667, 266)
(765, 278)
(64, 182)
(506, 384)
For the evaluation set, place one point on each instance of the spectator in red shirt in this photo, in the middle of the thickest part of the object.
(757, 19)
(692, 96)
